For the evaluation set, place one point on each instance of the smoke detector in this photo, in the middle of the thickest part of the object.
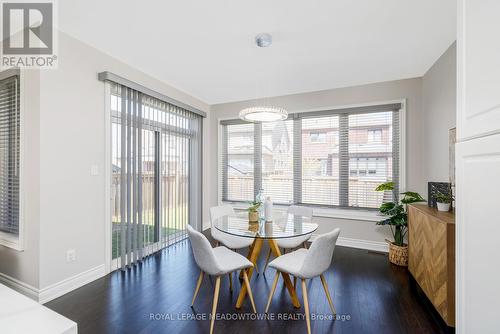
(263, 40)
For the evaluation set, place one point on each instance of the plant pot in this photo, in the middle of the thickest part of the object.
(398, 254)
(253, 216)
(253, 227)
(443, 206)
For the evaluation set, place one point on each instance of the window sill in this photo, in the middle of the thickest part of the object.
(362, 215)
(9, 241)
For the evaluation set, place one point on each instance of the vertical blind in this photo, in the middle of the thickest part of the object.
(156, 173)
(330, 158)
(9, 155)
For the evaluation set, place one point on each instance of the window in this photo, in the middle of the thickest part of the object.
(320, 161)
(277, 160)
(317, 137)
(156, 173)
(374, 135)
(239, 162)
(371, 166)
(9, 158)
(329, 158)
(370, 156)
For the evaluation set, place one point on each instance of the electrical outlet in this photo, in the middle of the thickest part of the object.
(70, 255)
(94, 170)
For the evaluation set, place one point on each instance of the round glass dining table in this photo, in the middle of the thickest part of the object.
(282, 226)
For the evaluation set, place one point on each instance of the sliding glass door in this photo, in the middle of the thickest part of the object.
(156, 159)
(174, 215)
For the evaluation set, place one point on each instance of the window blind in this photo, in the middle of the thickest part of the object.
(330, 158)
(156, 173)
(9, 154)
(238, 162)
(277, 161)
(370, 157)
(320, 160)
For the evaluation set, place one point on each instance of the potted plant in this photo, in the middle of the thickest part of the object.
(253, 211)
(397, 219)
(443, 201)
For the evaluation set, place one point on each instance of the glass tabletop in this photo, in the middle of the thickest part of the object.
(282, 226)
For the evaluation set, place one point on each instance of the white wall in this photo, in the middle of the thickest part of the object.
(439, 94)
(411, 89)
(65, 207)
(24, 265)
(431, 107)
(72, 138)
(65, 131)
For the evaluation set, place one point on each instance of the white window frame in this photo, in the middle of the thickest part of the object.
(110, 263)
(7, 239)
(340, 213)
(373, 139)
(318, 134)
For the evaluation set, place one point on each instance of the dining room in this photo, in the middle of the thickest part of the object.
(206, 287)
(239, 167)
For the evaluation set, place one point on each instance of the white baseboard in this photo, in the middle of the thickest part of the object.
(55, 290)
(21, 287)
(205, 226)
(69, 284)
(376, 246)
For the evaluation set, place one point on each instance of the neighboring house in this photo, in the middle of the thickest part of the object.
(370, 151)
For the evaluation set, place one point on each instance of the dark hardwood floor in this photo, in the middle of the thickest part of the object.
(370, 295)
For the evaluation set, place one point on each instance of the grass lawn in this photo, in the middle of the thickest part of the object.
(148, 232)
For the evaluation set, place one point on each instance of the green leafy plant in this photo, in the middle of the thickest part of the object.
(254, 206)
(396, 213)
(385, 186)
(443, 198)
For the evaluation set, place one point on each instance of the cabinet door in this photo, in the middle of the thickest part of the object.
(478, 68)
(478, 235)
(428, 259)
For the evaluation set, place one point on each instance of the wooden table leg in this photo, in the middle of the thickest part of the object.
(254, 255)
(249, 255)
(288, 283)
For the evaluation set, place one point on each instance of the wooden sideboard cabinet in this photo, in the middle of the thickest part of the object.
(431, 248)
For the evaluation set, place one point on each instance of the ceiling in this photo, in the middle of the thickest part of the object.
(206, 48)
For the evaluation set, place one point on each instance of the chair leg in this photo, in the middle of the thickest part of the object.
(247, 283)
(214, 306)
(267, 259)
(256, 268)
(295, 282)
(198, 284)
(231, 282)
(306, 306)
(273, 289)
(325, 286)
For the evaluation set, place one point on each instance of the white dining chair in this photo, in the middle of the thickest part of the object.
(231, 242)
(307, 264)
(217, 262)
(290, 243)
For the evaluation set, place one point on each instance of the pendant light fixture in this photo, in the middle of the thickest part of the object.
(263, 113)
